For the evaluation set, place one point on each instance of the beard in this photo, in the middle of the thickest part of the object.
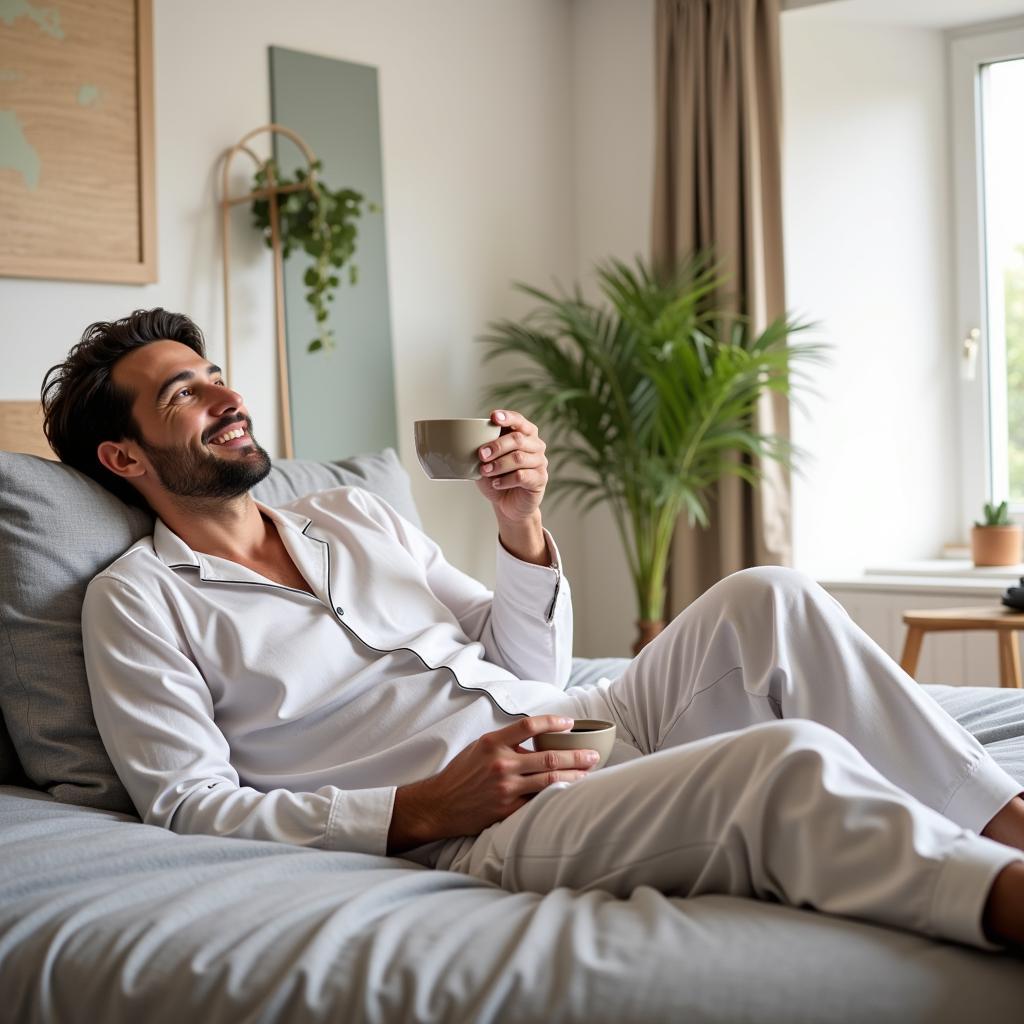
(187, 473)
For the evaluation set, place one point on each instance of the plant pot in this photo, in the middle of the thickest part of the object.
(647, 630)
(996, 545)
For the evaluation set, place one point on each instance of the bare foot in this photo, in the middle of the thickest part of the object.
(1007, 827)
(1003, 920)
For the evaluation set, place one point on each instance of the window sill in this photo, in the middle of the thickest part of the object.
(936, 576)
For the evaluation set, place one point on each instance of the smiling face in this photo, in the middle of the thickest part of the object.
(196, 434)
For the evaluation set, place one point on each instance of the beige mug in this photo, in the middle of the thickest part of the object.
(448, 449)
(585, 734)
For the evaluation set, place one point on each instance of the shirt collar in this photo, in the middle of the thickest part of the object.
(176, 554)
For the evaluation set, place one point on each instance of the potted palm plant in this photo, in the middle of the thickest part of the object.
(646, 400)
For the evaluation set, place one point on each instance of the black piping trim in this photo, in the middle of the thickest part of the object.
(415, 654)
(550, 613)
(348, 628)
(244, 583)
(272, 586)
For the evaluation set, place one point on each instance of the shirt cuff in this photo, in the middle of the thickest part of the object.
(531, 588)
(359, 820)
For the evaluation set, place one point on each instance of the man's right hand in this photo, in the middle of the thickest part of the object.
(486, 782)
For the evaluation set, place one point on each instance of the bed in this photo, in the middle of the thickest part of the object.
(104, 918)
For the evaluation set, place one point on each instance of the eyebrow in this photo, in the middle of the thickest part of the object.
(178, 378)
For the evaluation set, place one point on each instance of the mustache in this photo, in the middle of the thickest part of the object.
(226, 424)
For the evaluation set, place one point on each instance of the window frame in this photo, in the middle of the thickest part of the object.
(982, 480)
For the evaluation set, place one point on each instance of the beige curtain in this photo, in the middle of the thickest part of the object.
(718, 185)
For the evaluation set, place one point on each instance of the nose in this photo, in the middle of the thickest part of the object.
(225, 401)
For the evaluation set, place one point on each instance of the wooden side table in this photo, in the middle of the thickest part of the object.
(1004, 621)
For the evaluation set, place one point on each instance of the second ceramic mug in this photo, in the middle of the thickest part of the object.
(585, 734)
(447, 449)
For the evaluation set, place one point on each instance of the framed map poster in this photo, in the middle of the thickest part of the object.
(77, 195)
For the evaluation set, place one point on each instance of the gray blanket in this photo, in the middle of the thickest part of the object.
(103, 919)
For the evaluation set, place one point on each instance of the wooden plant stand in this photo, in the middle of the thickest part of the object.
(227, 201)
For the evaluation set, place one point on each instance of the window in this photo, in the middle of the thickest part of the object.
(987, 77)
(1002, 148)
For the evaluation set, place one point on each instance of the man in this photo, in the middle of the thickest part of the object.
(322, 676)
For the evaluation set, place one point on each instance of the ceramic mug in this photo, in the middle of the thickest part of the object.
(448, 449)
(585, 734)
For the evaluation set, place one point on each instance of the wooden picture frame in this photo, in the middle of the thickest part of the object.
(21, 429)
(77, 175)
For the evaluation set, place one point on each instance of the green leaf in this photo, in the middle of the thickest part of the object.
(319, 221)
(650, 391)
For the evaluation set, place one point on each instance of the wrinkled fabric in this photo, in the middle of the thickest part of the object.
(778, 753)
(232, 705)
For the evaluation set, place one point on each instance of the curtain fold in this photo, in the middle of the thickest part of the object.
(718, 185)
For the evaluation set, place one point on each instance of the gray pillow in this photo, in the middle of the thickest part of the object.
(58, 529)
(382, 474)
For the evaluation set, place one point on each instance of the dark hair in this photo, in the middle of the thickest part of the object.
(82, 406)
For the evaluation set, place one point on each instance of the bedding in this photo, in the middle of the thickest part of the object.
(103, 918)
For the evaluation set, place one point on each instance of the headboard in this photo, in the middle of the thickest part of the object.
(21, 429)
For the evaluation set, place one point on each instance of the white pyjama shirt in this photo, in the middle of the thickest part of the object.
(232, 705)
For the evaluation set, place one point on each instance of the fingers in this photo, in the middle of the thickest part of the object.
(513, 421)
(516, 459)
(516, 440)
(529, 784)
(527, 479)
(520, 774)
(557, 761)
(519, 461)
(527, 728)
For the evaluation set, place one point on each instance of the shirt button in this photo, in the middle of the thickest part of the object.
(339, 611)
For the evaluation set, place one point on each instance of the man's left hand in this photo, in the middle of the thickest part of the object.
(513, 468)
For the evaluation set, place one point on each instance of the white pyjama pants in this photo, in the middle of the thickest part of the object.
(771, 749)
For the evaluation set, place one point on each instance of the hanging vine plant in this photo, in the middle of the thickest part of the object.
(322, 222)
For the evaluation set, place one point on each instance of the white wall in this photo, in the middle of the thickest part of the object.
(613, 118)
(868, 255)
(518, 144)
(868, 224)
(477, 134)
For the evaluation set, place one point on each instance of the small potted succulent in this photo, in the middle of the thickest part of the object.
(996, 541)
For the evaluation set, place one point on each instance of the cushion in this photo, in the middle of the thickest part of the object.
(58, 529)
(382, 474)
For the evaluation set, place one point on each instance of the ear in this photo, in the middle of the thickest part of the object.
(118, 458)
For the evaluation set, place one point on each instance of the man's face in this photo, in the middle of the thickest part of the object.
(196, 432)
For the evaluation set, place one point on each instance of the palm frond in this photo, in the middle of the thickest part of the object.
(650, 395)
